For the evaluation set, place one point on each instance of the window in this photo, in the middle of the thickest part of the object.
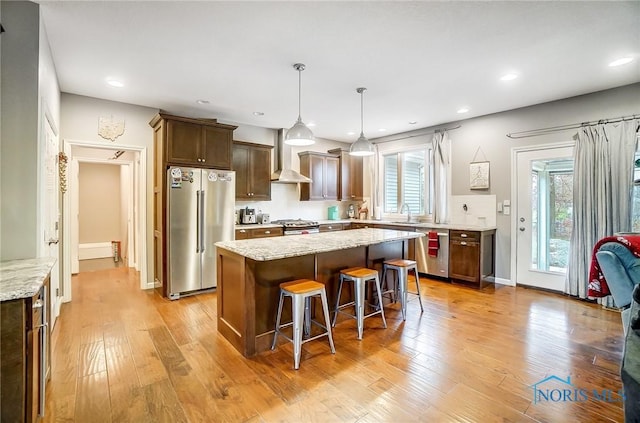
(552, 214)
(405, 181)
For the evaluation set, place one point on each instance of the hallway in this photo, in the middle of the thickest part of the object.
(120, 354)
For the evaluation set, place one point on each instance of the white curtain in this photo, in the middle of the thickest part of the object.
(441, 163)
(602, 189)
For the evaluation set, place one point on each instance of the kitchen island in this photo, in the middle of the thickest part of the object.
(250, 271)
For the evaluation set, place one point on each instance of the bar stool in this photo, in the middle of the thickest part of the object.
(359, 276)
(402, 268)
(301, 292)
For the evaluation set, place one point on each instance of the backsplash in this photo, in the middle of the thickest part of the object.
(481, 210)
(285, 204)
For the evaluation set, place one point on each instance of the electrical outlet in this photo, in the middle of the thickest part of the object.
(499, 207)
(506, 210)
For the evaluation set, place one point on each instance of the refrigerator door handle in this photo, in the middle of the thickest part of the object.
(198, 229)
(201, 221)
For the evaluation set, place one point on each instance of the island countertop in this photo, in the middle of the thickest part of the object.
(265, 249)
(23, 278)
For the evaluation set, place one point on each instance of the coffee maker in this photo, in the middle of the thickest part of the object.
(248, 216)
(351, 211)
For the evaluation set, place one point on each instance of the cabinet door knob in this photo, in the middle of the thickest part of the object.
(242, 231)
(463, 243)
(267, 232)
(463, 235)
(203, 160)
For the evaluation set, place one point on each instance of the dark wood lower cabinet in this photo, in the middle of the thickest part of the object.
(472, 257)
(258, 233)
(24, 356)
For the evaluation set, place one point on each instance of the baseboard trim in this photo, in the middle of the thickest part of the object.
(94, 250)
(503, 281)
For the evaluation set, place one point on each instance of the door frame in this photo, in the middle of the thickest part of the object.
(141, 217)
(54, 300)
(514, 195)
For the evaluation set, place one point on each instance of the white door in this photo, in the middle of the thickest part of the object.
(543, 213)
(51, 216)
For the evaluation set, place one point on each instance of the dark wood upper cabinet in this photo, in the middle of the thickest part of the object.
(350, 186)
(195, 142)
(323, 169)
(252, 164)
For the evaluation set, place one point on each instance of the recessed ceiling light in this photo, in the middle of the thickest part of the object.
(351, 133)
(311, 124)
(115, 83)
(381, 129)
(463, 110)
(508, 77)
(621, 61)
(202, 101)
(258, 113)
(412, 122)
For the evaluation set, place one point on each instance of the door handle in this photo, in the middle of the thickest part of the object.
(202, 221)
(521, 228)
(198, 221)
(52, 241)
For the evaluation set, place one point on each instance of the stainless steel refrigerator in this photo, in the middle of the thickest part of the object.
(200, 213)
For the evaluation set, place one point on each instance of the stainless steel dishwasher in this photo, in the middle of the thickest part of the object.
(435, 266)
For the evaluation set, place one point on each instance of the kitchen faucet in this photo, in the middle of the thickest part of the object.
(402, 207)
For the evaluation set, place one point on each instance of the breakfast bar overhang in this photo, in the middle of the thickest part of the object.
(250, 271)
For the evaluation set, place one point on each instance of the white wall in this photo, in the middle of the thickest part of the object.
(79, 122)
(27, 77)
(490, 134)
(99, 203)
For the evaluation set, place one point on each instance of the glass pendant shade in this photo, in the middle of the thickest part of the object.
(299, 134)
(362, 146)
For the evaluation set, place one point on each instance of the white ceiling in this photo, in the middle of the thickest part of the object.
(421, 61)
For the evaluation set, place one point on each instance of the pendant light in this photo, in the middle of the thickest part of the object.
(299, 134)
(362, 147)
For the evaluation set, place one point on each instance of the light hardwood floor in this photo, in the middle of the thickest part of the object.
(125, 355)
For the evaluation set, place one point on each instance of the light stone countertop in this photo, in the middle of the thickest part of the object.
(265, 249)
(419, 225)
(23, 278)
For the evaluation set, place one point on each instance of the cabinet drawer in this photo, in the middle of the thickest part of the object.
(264, 233)
(331, 227)
(242, 233)
(465, 235)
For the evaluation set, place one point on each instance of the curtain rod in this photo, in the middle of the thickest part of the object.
(552, 129)
(435, 131)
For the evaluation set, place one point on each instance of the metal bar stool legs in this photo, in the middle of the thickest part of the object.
(359, 276)
(301, 292)
(402, 269)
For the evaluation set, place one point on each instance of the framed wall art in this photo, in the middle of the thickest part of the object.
(479, 175)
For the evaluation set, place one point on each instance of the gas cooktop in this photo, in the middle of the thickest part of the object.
(296, 223)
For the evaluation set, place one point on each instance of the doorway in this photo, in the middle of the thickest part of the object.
(543, 215)
(130, 163)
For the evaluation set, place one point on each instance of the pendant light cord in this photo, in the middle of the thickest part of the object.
(362, 113)
(299, 94)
